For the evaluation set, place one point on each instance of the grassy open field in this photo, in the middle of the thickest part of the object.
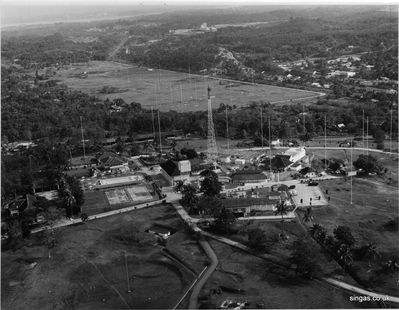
(374, 204)
(170, 90)
(267, 285)
(388, 161)
(87, 269)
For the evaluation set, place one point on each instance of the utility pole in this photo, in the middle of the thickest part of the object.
(83, 140)
(303, 118)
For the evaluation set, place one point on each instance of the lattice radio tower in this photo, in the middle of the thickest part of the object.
(212, 151)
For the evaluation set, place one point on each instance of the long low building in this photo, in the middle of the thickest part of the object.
(244, 206)
(119, 181)
(249, 176)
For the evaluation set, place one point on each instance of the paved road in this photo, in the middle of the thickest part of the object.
(198, 286)
(313, 148)
(208, 250)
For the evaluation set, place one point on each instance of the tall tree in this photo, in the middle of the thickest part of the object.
(210, 185)
(189, 199)
(282, 209)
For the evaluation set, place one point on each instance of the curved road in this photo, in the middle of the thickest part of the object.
(198, 286)
(207, 248)
(379, 297)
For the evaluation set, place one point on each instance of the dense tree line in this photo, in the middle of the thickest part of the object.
(32, 111)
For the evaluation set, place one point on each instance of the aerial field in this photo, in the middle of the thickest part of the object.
(170, 90)
(92, 263)
(266, 285)
(374, 204)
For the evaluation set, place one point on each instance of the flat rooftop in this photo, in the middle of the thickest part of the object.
(121, 180)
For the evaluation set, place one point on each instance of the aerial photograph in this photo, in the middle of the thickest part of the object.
(221, 154)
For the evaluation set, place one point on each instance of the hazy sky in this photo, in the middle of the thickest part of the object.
(188, 2)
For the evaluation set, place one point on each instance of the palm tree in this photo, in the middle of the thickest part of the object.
(282, 209)
(69, 200)
(308, 216)
(392, 265)
(370, 252)
(345, 255)
(315, 229)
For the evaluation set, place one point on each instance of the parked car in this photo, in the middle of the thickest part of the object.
(313, 183)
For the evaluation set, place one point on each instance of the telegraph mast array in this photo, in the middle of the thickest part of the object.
(212, 151)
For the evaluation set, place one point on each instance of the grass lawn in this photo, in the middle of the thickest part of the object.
(374, 204)
(281, 246)
(267, 284)
(88, 265)
(176, 91)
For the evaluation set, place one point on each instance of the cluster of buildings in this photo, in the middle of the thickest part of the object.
(190, 31)
(344, 68)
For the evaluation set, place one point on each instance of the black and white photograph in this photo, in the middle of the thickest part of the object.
(216, 154)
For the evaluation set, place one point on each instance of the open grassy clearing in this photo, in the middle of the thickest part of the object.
(87, 269)
(280, 237)
(268, 285)
(388, 161)
(374, 204)
(176, 91)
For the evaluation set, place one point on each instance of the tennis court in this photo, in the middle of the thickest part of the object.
(117, 196)
(132, 194)
(139, 193)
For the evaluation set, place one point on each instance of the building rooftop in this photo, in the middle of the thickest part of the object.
(170, 168)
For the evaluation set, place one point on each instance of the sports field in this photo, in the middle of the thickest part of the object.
(170, 90)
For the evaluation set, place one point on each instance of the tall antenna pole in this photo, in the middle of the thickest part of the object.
(367, 136)
(351, 163)
(171, 94)
(153, 122)
(363, 133)
(181, 97)
(325, 142)
(270, 150)
(159, 130)
(195, 92)
(127, 274)
(212, 148)
(227, 132)
(261, 125)
(390, 135)
(83, 140)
